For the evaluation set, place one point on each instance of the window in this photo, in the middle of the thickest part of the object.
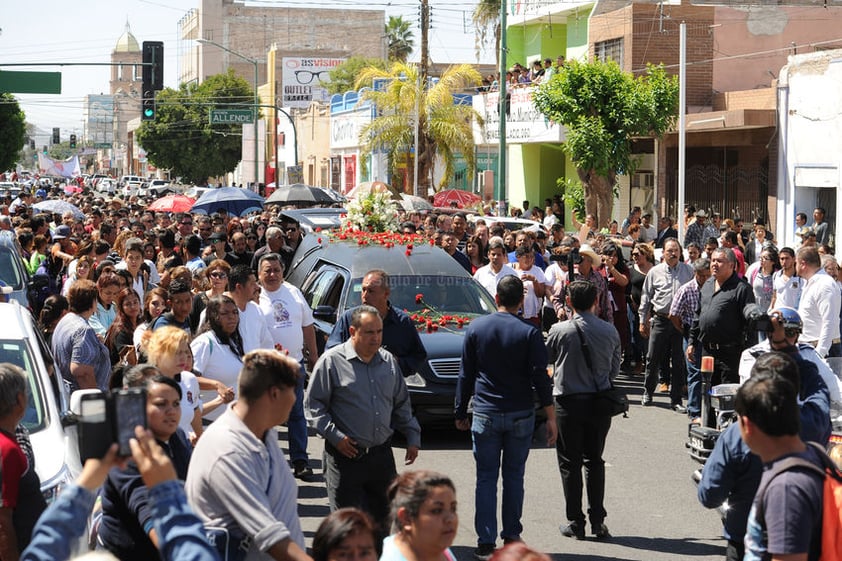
(325, 290)
(446, 294)
(609, 50)
(17, 352)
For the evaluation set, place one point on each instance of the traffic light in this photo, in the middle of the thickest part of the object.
(73, 141)
(32, 144)
(147, 107)
(56, 135)
(153, 77)
(153, 65)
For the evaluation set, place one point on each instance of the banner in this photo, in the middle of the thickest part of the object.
(303, 80)
(66, 168)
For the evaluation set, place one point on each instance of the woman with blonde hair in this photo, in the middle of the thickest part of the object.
(168, 349)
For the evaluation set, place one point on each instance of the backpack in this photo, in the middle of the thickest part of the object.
(831, 541)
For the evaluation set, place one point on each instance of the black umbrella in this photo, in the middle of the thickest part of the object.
(300, 194)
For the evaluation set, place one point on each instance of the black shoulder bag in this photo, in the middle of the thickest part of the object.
(613, 399)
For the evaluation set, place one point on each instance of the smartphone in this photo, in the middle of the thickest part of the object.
(95, 434)
(129, 412)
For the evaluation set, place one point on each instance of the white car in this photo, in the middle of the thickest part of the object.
(130, 184)
(52, 429)
(106, 185)
(510, 223)
(156, 188)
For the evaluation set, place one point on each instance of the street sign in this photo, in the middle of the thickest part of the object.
(102, 145)
(30, 82)
(231, 117)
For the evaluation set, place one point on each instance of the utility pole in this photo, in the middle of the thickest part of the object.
(421, 145)
(500, 185)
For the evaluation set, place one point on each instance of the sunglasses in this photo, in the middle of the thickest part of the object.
(219, 275)
(635, 254)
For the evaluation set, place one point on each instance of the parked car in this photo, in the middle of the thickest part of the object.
(509, 222)
(52, 431)
(106, 185)
(196, 192)
(130, 184)
(156, 188)
(12, 270)
(329, 272)
(314, 218)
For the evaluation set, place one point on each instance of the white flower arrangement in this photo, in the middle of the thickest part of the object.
(372, 212)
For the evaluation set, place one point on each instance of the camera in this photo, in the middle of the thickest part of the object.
(760, 321)
(107, 418)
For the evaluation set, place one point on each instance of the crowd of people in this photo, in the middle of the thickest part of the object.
(538, 71)
(195, 310)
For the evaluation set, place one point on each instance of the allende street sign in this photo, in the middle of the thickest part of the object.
(231, 116)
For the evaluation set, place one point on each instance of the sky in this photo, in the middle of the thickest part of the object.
(49, 31)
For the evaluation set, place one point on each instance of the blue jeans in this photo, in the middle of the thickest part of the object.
(297, 423)
(508, 435)
(694, 382)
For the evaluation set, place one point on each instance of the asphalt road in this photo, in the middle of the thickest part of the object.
(652, 508)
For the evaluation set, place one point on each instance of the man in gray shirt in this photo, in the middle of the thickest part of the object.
(585, 354)
(238, 478)
(356, 398)
(659, 288)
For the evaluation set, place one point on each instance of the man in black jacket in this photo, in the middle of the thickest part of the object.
(665, 231)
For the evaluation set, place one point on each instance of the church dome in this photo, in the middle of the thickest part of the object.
(127, 43)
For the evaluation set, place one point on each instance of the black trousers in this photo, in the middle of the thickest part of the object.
(726, 364)
(361, 482)
(666, 342)
(582, 430)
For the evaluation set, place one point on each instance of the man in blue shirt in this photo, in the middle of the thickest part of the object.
(732, 473)
(400, 336)
(503, 359)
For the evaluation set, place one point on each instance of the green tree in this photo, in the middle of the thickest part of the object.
(603, 109)
(13, 127)
(401, 40)
(444, 127)
(486, 18)
(343, 78)
(181, 137)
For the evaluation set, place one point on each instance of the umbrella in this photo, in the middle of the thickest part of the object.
(233, 200)
(172, 203)
(368, 187)
(461, 198)
(300, 194)
(57, 206)
(411, 203)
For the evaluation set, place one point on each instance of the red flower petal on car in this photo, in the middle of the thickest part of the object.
(435, 327)
(408, 253)
(418, 298)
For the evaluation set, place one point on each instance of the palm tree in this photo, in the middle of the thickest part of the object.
(445, 129)
(401, 41)
(487, 18)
